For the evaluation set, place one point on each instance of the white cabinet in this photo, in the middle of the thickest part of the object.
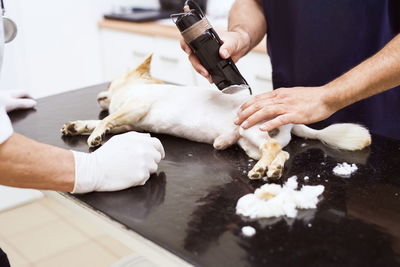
(170, 63)
(124, 50)
(256, 69)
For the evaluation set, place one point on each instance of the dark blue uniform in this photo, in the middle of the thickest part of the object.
(310, 43)
(3, 259)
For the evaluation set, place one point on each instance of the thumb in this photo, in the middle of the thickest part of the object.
(228, 47)
(225, 51)
(20, 94)
(23, 103)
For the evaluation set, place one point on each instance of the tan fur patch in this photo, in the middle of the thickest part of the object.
(266, 196)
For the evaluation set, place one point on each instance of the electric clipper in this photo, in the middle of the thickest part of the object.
(205, 43)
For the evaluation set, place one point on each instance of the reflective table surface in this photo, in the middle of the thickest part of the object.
(188, 208)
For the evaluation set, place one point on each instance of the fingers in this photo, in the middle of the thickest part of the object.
(153, 167)
(157, 144)
(257, 98)
(20, 94)
(146, 136)
(193, 59)
(255, 104)
(277, 122)
(243, 115)
(197, 65)
(141, 134)
(262, 114)
(195, 62)
(133, 134)
(185, 47)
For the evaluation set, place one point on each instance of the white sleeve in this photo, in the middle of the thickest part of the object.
(6, 129)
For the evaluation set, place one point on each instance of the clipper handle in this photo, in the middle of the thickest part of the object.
(205, 44)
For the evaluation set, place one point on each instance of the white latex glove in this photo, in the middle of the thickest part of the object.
(12, 100)
(124, 161)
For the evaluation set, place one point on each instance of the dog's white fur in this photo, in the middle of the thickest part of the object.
(136, 101)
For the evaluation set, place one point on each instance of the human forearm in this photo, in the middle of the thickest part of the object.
(29, 164)
(292, 105)
(375, 75)
(125, 160)
(247, 18)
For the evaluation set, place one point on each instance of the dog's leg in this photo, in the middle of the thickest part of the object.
(269, 150)
(127, 115)
(226, 139)
(79, 127)
(86, 127)
(276, 167)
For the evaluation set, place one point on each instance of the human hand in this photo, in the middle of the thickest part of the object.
(13, 100)
(236, 45)
(298, 105)
(126, 160)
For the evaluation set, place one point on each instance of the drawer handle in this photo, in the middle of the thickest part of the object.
(169, 59)
(262, 78)
(139, 54)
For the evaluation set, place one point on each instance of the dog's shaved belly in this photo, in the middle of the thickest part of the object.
(195, 124)
(180, 111)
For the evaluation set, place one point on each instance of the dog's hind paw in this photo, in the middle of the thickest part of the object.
(275, 169)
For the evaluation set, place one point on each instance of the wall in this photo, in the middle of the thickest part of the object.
(57, 47)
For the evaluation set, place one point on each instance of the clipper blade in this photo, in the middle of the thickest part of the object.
(233, 89)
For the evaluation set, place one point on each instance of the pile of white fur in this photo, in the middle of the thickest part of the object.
(273, 200)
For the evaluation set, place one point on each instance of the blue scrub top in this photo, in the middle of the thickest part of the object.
(311, 43)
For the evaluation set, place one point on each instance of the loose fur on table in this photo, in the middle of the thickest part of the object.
(137, 101)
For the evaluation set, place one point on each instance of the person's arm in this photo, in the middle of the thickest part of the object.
(29, 164)
(246, 28)
(304, 105)
(125, 160)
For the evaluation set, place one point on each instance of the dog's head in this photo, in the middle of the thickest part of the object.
(140, 75)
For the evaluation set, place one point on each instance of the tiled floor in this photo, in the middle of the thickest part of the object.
(44, 233)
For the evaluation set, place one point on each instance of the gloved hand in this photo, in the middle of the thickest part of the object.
(12, 100)
(126, 160)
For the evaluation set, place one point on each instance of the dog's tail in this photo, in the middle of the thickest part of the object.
(347, 136)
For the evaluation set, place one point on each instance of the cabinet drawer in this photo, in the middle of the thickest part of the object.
(170, 63)
(172, 69)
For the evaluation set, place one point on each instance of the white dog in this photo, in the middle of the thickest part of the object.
(136, 101)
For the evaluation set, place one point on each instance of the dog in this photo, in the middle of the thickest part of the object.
(137, 101)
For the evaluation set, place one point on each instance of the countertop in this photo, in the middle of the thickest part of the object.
(157, 29)
(188, 208)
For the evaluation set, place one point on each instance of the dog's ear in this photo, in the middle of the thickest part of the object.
(144, 68)
(142, 72)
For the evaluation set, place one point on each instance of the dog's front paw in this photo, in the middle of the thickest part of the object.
(94, 140)
(69, 129)
(220, 146)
